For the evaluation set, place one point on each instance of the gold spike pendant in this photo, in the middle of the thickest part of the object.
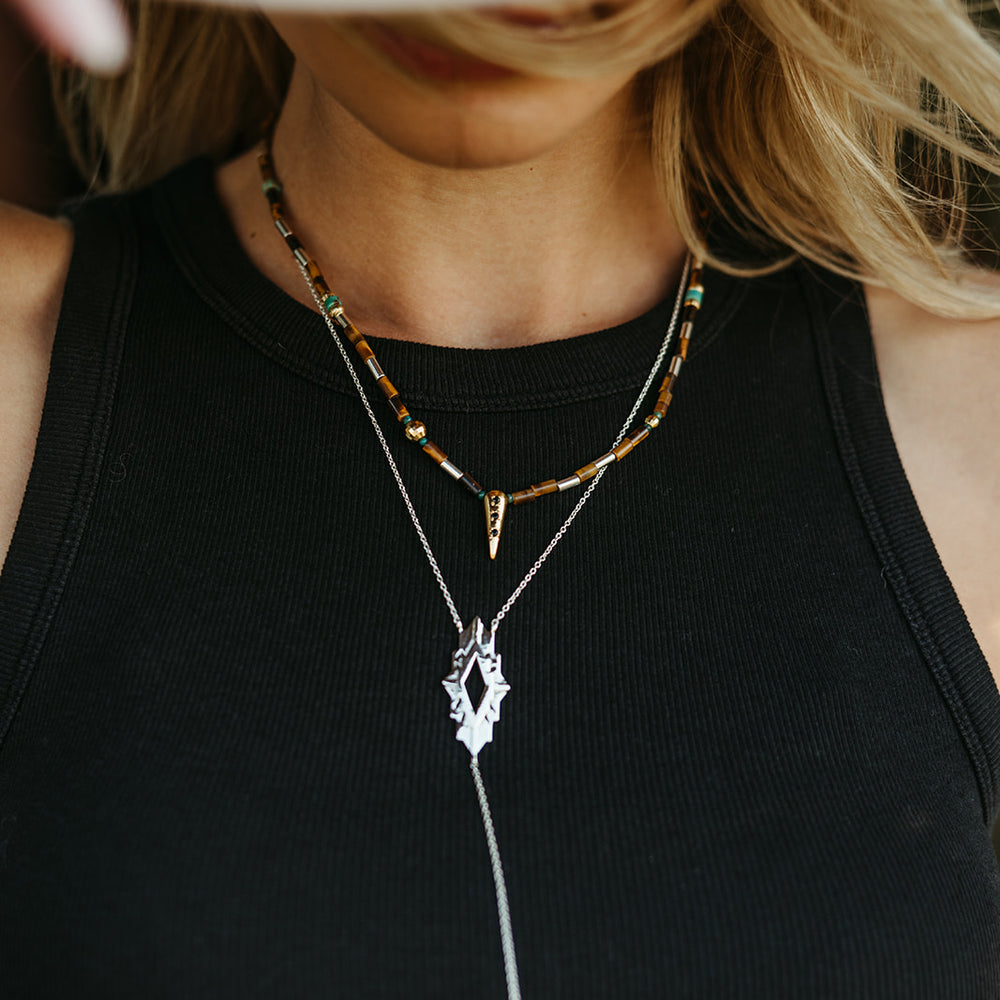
(495, 503)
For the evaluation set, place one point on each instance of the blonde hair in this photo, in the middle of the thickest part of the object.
(841, 131)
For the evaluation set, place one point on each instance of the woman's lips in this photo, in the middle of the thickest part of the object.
(432, 62)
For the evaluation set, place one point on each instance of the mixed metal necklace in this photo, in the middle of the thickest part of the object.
(477, 644)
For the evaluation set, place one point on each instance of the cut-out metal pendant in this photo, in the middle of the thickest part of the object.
(474, 723)
(495, 503)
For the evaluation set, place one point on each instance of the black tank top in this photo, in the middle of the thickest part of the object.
(751, 747)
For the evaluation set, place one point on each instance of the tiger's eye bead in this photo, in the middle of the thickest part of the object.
(415, 430)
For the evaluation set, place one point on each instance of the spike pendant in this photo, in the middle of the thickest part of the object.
(495, 503)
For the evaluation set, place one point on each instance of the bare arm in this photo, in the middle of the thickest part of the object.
(939, 379)
(34, 259)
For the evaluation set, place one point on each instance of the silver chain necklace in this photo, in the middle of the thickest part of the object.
(476, 645)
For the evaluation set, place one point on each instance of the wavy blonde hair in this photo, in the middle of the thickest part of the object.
(841, 131)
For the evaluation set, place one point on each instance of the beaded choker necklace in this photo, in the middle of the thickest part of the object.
(476, 647)
(495, 502)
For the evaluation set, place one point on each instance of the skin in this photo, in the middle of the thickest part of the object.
(522, 210)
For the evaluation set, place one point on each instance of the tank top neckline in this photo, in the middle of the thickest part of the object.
(549, 374)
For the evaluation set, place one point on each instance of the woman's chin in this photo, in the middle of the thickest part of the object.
(443, 109)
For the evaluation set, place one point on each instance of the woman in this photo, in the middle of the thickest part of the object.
(749, 741)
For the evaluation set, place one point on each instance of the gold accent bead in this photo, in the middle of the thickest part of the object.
(416, 431)
(653, 420)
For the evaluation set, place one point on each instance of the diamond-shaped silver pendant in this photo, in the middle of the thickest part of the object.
(474, 723)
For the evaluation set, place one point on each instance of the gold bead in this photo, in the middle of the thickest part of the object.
(653, 420)
(416, 431)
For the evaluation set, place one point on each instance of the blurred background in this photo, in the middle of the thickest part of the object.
(34, 167)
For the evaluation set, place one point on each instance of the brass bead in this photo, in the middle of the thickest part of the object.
(653, 420)
(416, 431)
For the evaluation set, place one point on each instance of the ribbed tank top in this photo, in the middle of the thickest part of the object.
(751, 747)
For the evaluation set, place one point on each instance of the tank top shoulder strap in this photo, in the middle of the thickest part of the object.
(911, 565)
(70, 446)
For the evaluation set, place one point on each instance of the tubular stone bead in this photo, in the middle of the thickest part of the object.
(521, 496)
(322, 288)
(353, 333)
(364, 351)
(398, 407)
(470, 484)
(660, 409)
(587, 472)
(668, 384)
(638, 436)
(435, 452)
(682, 348)
(313, 271)
(275, 212)
(621, 450)
(388, 389)
(548, 486)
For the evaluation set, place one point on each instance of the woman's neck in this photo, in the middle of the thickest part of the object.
(572, 241)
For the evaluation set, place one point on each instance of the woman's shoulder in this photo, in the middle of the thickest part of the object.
(35, 254)
(938, 379)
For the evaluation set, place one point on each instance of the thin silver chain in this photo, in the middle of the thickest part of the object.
(499, 882)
